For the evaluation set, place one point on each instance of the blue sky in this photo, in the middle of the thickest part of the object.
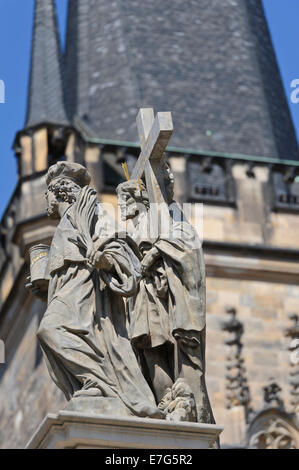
(16, 17)
(16, 21)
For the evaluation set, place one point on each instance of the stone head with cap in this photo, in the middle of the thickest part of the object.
(132, 198)
(64, 183)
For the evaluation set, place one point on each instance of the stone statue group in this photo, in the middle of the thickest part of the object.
(124, 329)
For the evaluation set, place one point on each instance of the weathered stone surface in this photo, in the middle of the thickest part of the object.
(26, 392)
(83, 333)
(265, 349)
(97, 405)
(272, 428)
(82, 431)
(167, 314)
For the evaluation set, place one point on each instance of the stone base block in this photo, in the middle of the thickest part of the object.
(75, 430)
(97, 406)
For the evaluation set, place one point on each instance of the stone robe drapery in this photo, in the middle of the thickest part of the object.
(171, 300)
(83, 333)
(170, 307)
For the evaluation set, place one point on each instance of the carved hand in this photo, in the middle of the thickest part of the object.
(149, 259)
(100, 260)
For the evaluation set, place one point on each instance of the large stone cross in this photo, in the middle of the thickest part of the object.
(154, 135)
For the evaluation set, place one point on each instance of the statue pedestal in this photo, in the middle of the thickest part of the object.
(75, 430)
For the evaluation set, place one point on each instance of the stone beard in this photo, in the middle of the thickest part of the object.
(83, 333)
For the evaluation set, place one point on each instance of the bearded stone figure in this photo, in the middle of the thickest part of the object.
(167, 315)
(83, 333)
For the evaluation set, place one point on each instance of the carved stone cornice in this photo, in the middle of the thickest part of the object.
(273, 429)
(284, 188)
(210, 180)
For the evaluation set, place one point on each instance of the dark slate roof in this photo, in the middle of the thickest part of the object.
(45, 94)
(210, 62)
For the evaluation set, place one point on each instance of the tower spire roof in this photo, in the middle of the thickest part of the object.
(45, 93)
(212, 64)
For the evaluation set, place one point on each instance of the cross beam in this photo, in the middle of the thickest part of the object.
(154, 135)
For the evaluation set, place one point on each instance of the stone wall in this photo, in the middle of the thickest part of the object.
(262, 308)
(27, 393)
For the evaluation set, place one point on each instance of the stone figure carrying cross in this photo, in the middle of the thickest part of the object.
(167, 314)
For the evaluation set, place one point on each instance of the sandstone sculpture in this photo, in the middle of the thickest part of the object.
(83, 333)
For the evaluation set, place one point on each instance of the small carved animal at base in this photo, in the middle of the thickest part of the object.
(178, 403)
